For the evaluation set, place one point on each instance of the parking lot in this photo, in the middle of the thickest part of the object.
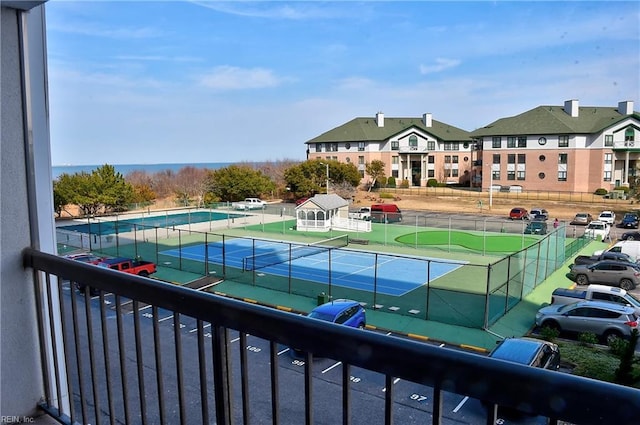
(413, 401)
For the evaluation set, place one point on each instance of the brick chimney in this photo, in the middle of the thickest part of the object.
(571, 107)
(380, 119)
(427, 120)
(625, 107)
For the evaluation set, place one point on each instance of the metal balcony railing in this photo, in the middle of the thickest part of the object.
(127, 355)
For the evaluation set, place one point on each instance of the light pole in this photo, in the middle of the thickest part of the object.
(327, 165)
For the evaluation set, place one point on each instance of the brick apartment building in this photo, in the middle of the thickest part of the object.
(561, 148)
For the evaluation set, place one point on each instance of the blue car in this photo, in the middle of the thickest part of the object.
(343, 312)
(630, 221)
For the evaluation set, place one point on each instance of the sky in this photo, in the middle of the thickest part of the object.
(156, 82)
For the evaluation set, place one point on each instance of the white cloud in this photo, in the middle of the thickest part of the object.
(440, 65)
(234, 78)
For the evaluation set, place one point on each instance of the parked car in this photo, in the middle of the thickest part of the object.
(519, 214)
(629, 247)
(341, 311)
(630, 236)
(89, 258)
(581, 219)
(598, 230)
(630, 221)
(605, 319)
(536, 227)
(539, 214)
(301, 200)
(607, 272)
(608, 217)
(604, 255)
(527, 351)
(596, 293)
(385, 213)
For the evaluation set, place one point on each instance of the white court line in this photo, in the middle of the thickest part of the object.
(332, 367)
(459, 406)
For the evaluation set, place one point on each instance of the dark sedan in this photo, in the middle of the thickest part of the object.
(630, 236)
(630, 221)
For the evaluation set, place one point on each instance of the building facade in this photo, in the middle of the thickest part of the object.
(565, 148)
(412, 149)
(562, 148)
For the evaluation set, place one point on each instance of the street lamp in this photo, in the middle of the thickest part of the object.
(327, 165)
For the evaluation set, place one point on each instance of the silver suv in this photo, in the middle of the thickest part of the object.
(605, 319)
(607, 272)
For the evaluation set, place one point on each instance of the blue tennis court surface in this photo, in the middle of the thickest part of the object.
(164, 221)
(386, 274)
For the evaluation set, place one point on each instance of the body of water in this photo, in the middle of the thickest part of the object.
(124, 169)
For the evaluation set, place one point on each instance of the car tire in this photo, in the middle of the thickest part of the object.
(626, 284)
(611, 335)
(361, 326)
(582, 279)
(630, 238)
(144, 273)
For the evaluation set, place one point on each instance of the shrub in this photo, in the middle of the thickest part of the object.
(601, 191)
(625, 374)
(432, 183)
(386, 195)
(391, 182)
(405, 184)
(618, 346)
(624, 189)
(382, 181)
(549, 334)
(588, 338)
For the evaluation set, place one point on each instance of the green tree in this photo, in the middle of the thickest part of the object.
(234, 183)
(375, 169)
(61, 198)
(310, 177)
(102, 190)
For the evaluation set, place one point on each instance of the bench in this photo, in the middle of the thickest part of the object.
(359, 241)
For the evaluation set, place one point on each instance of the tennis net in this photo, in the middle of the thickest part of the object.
(260, 261)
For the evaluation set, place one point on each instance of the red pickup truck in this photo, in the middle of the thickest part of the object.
(127, 265)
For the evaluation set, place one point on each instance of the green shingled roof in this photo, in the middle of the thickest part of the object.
(554, 120)
(367, 130)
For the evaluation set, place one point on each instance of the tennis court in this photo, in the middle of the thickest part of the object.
(323, 262)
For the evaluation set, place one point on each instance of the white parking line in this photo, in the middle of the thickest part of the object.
(331, 367)
(283, 351)
(395, 381)
(196, 329)
(459, 406)
(165, 318)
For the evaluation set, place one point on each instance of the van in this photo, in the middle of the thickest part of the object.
(631, 248)
(385, 213)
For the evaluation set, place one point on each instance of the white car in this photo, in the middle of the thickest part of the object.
(608, 217)
(598, 230)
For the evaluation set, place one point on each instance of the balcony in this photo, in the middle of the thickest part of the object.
(413, 149)
(627, 145)
(145, 351)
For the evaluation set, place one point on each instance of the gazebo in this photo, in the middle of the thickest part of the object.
(325, 212)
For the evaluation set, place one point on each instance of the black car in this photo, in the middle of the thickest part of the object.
(630, 221)
(527, 351)
(630, 236)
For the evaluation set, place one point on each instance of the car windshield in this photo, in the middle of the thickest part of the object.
(605, 215)
(322, 316)
(597, 226)
(633, 300)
